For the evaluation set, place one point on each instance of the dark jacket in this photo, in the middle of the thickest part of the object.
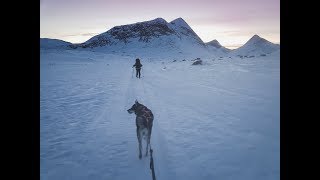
(138, 65)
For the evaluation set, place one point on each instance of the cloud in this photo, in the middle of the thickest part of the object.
(82, 34)
(233, 46)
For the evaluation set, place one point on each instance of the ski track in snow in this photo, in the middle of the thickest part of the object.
(218, 121)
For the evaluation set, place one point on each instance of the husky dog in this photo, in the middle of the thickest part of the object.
(144, 121)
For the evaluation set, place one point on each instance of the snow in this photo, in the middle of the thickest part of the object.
(149, 36)
(219, 120)
(179, 22)
(216, 48)
(214, 43)
(256, 46)
(46, 43)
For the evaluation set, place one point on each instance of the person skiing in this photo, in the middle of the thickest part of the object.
(138, 66)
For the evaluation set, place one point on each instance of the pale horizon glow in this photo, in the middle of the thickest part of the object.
(231, 22)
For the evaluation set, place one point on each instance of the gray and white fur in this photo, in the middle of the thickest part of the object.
(144, 121)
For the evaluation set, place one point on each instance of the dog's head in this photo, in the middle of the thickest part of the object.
(133, 108)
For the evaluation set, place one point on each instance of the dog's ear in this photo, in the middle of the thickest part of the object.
(136, 101)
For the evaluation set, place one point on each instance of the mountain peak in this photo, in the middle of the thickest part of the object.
(154, 21)
(256, 36)
(147, 34)
(158, 20)
(256, 45)
(180, 22)
(214, 43)
(256, 39)
(183, 29)
(179, 19)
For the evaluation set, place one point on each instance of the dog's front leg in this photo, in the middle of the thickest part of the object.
(139, 140)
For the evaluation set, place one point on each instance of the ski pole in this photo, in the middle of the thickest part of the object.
(132, 73)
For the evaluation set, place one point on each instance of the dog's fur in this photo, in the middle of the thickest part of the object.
(144, 121)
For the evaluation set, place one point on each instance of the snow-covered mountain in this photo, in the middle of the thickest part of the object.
(215, 46)
(150, 37)
(47, 43)
(159, 39)
(256, 46)
(145, 32)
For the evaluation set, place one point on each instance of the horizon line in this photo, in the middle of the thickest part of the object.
(231, 46)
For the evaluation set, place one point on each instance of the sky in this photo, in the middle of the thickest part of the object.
(231, 22)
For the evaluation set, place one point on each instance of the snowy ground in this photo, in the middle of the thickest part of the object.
(215, 121)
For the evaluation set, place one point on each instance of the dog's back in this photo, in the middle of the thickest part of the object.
(144, 117)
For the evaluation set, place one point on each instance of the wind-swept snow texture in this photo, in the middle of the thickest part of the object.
(219, 120)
